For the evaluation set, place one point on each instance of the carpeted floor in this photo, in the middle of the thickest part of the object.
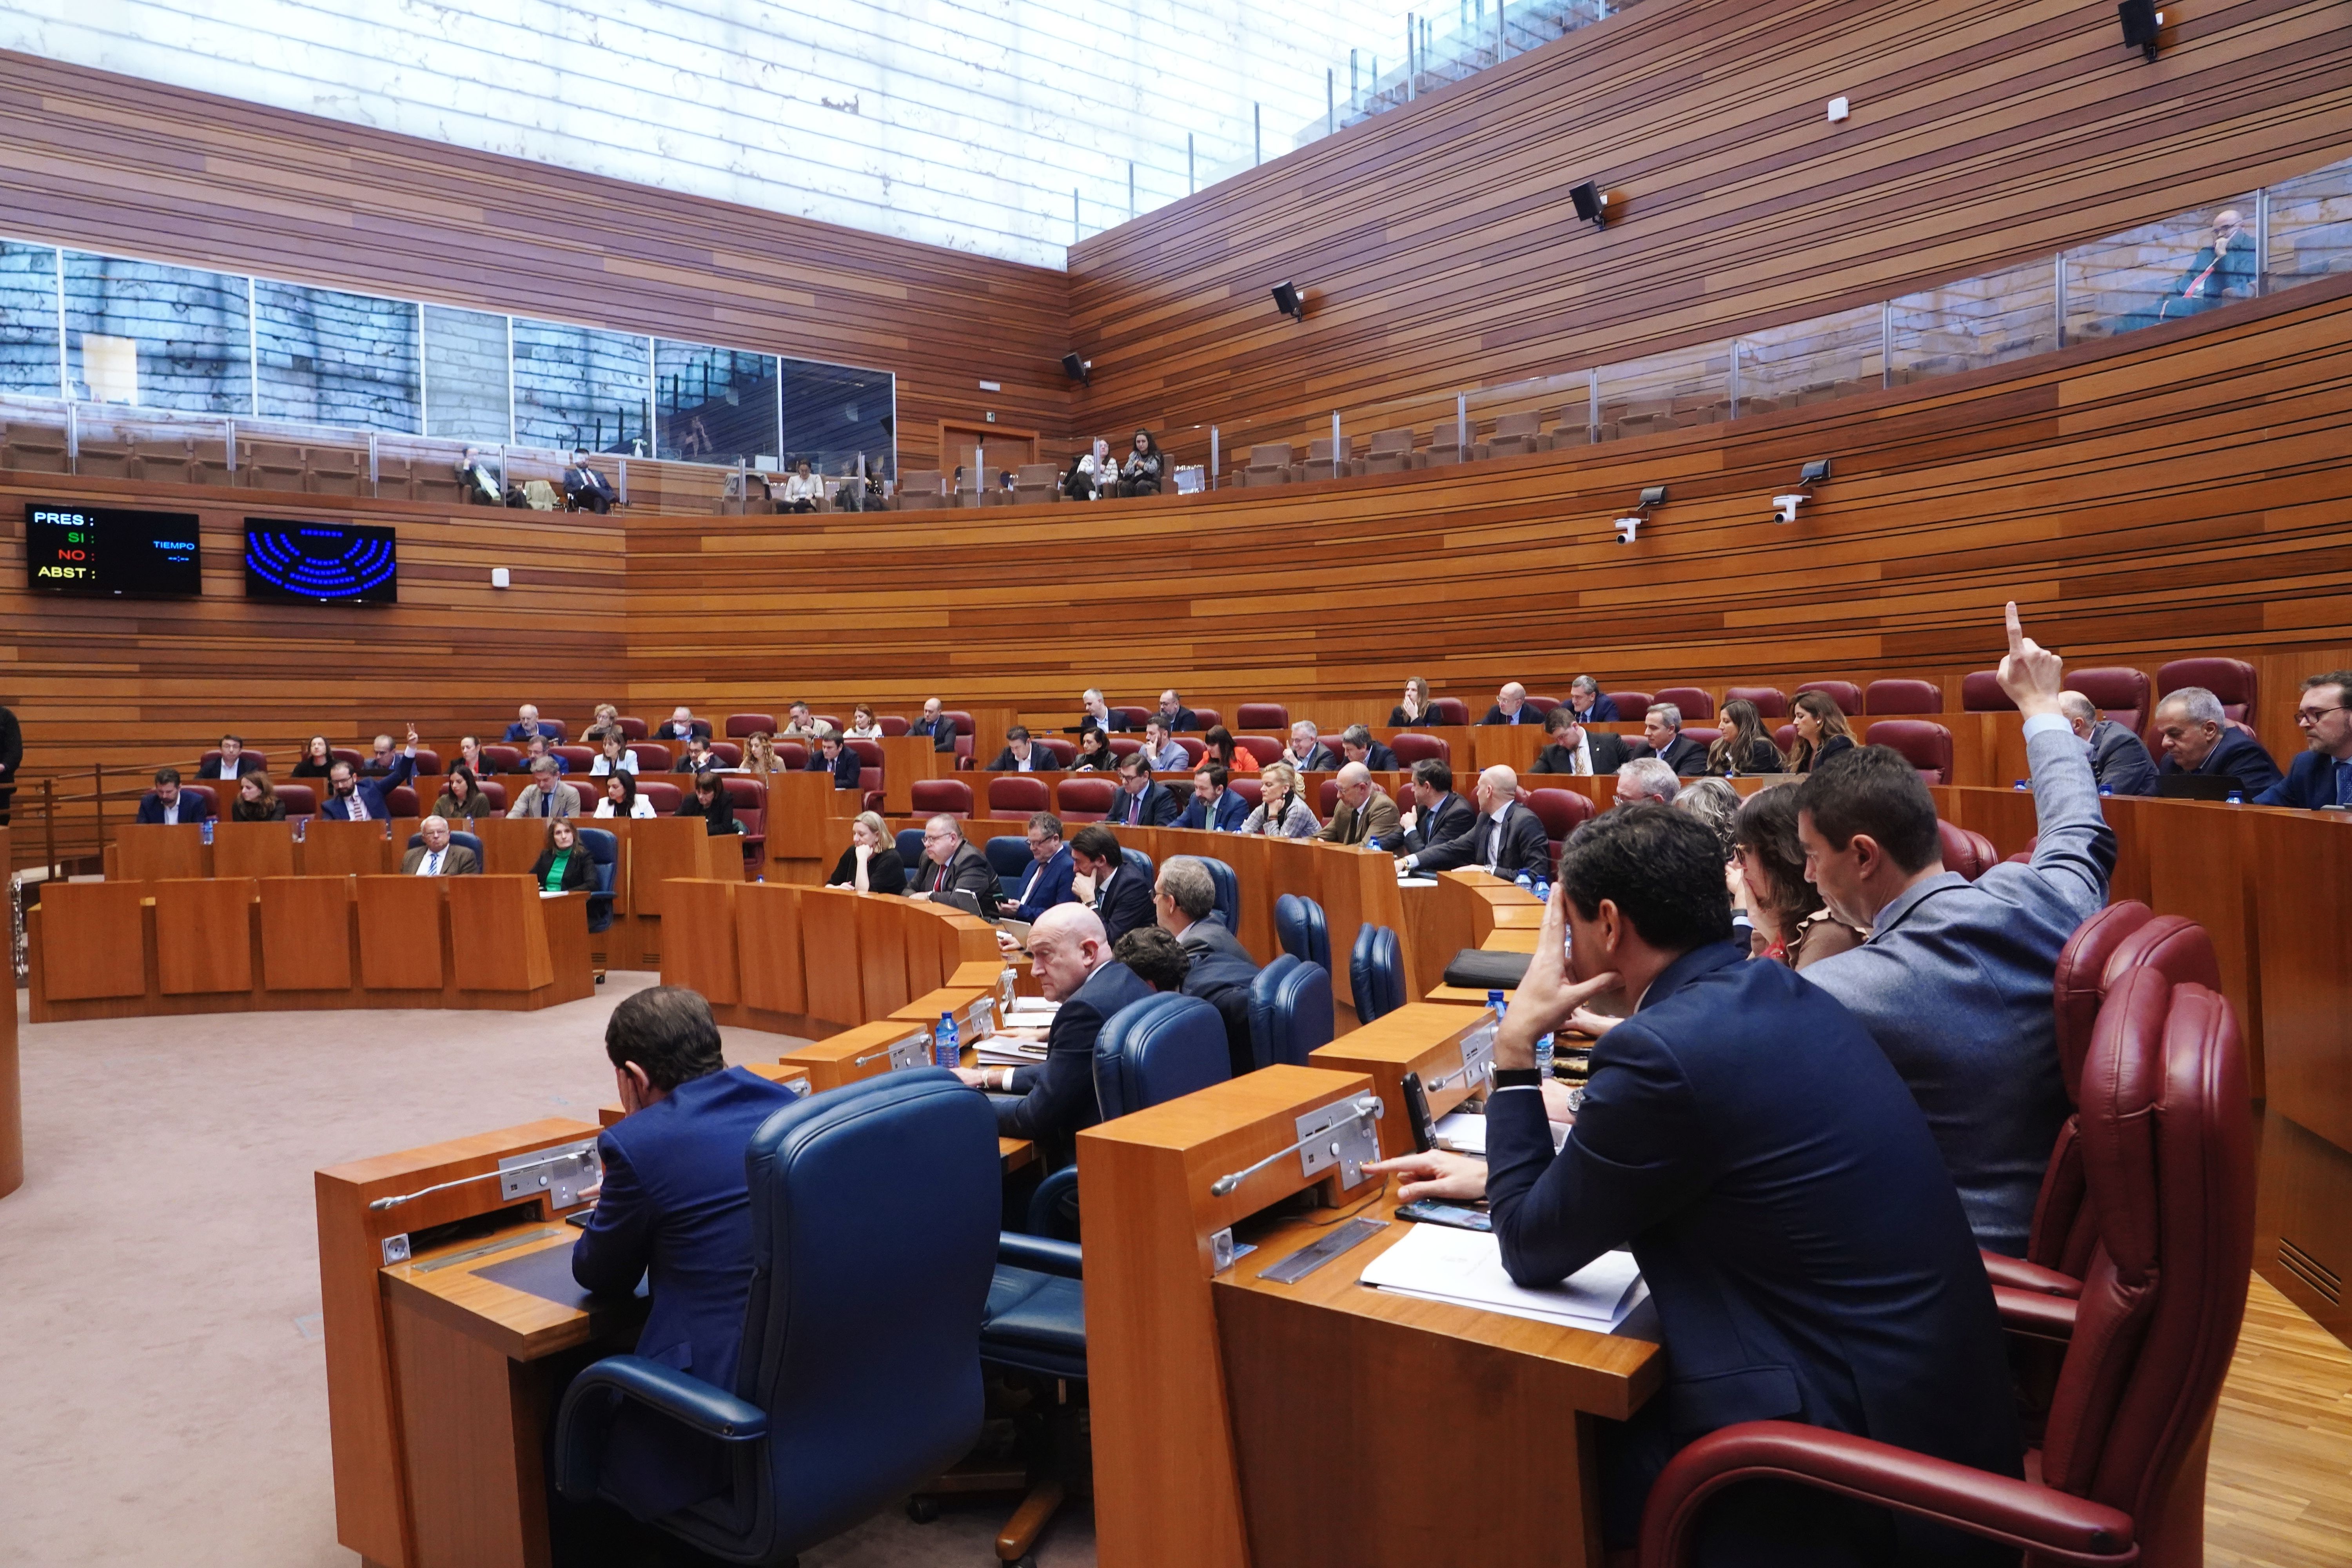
(164, 1386)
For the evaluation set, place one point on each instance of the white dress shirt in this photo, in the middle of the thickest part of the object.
(431, 865)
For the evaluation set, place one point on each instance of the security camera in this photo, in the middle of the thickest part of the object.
(1627, 527)
(1784, 508)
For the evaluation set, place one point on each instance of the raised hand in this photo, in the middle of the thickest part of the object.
(2031, 674)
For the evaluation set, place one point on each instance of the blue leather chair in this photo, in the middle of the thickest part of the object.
(1300, 927)
(1135, 859)
(472, 841)
(874, 1215)
(1376, 972)
(910, 849)
(604, 848)
(1228, 910)
(1290, 1011)
(1009, 858)
(1158, 1049)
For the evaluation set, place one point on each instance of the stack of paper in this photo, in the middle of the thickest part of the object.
(1005, 1052)
(1031, 1013)
(1465, 1133)
(1439, 1263)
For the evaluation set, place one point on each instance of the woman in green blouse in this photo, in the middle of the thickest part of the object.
(563, 865)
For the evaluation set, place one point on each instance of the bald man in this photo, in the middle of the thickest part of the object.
(1507, 839)
(435, 855)
(1075, 968)
(1511, 707)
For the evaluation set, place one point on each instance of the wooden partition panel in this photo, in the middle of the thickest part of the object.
(829, 938)
(767, 939)
(305, 933)
(93, 939)
(147, 852)
(203, 933)
(495, 934)
(253, 849)
(401, 923)
(699, 941)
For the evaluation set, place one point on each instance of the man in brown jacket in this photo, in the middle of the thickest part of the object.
(1364, 815)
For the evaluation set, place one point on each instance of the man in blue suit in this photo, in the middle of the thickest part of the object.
(1214, 805)
(169, 802)
(1143, 802)
(1744, 1137)
(351, 798)
(832, 756)
(525, 726)
(1357, 746)
(2196, 737)
(1074, 967)
(1049, 879)
(1584, 701)
(675, 1210)
(1438, 815)
(2323, 774)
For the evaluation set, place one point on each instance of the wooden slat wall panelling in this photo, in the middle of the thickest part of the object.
(2184, 489)
(1440, 250)
(109, 162)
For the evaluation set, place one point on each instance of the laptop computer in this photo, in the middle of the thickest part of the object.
(2195, 786)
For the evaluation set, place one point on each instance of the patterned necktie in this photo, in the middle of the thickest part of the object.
(2344, 784)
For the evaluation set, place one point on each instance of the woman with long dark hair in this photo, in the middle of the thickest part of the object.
(1821, 732)
(1743, 747)
(1140, 474)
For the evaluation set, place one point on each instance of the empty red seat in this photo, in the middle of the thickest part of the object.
(1207, 718)
(748, 798)
(1903, 697)
(1015, 796)
(1193, 748)
(1265, 747)
(1980, 693)
(961, 720)
(1449, 711)
(1559, 811)
(2231, 679)
(429, 761)
(1631, 705)
(1705, 735)
(1137, 718)
(740, 725)
(728, 752)
(633, 729)
(1970, 853)
(868, 753)
(1265, 716)
(1770, 701)
(577, 759)
(1250, 789)
(2120, 691)
(653, 757)
(661, 792)
(1847, 697)
(1064, 752)
(1542, 704)
(300, 799)
(1328, 794)
(401, 800)
(505, 758)
(1693, 700)
(932, 796)
(892, 724)
(1082, 799)
(1125, 745)
(492, 791)
(1412, 747)
(792, 754)
(1926, 746)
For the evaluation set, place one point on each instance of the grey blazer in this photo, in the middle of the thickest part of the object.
(567, 801)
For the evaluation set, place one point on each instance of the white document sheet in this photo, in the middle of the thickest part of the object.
(1465, 1133)
(1465, 1266)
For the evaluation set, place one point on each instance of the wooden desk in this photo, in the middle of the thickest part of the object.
(904, 759)
(1227, 1410)
(151, 851)
(1422, 1038)
(253, 849)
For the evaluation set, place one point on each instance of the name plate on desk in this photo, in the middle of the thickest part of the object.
(913, 1051)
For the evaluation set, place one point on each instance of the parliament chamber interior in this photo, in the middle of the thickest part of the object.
(1600, 743)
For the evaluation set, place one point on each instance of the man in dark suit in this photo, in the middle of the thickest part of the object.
(1021, 754)
(351, 798)
(1098, 716)
(1363, 815)
(2119, 760)
(1073, 966)
(682, 725)
(1573, 749)
(436, 856)
(1143, 802)
(675, 1210)
(1175, 714)
(12, 757)
(1051, 872)
(234, 761)
(833, 756)
(168, 803)
(479, 485)
(1776, 1181)
(1309, 754)
(1663, 738)
(586, 488)
(1357, 746)
(543, 745)
(1437, 814)
(2323, 774)
(1116, 892)
(525, 726)
(1223, 970)
(1511, 707)
(1584, 701)
(1507, 839)
(2197, 738)
(1213, 805)
(950, 862)
(936, 724)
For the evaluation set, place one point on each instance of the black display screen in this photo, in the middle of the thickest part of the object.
(111, 552)
(320, 562)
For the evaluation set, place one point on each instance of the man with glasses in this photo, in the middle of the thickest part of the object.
(1050, 878)
(2323, 776)
(951, 864)
(2119, 759)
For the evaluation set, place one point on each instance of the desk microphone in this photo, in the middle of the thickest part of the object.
(1367, 1107)
(569, 1153)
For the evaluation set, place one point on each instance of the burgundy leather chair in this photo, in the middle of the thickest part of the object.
(1193, 747)
(1013, 797)
(663, 795)
(728, 752)
(1542, 704)
(2168, 1136)
(1136, 717)
(1265, 747)
(1694, 701)
(1970, 854)
(1705, 735)
(1410, 747)
(1926, 746)
(1903, 697)
(1265, 716)
(635, 728)
(578, 758)
(1845, 693)
(1207, 718)
(301, 800)
(1631, 705)
(1063, 751)
(1449, 710)
(429, 761)
(1770, 701)
(829, 721)
(401, 801)
(2121, 693)
(2231, 679)
(1559, 811)
(1328, 794)
(1980, 693)
(748, 798)
(653, 757)
(868, 753)
(1784, 737)
(741, 725)
(892, 724)
(1082, 799)
(953, 797)
(792, 754)
(505, 758)
(1125, 745)
(496, 793)
(963, 724)
(1248, 786)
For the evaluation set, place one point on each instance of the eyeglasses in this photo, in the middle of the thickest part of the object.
(2314, 715)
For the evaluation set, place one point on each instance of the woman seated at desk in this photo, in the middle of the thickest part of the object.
(862, 725)
(1788, 922)
(1280, 813)
(1094, 755)
(871, 863)
(1822, 732)
(622, 799)
(317, 760)
(1414, 708)
(1224, 748)
(461, 798)
(615, 758)
(563, 865)
(709, 800)
(257, 801)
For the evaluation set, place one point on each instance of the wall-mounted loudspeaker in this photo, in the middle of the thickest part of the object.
(1289, 301)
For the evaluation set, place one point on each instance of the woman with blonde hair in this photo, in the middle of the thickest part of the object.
(607, 722)
(1821, 732)
(759, 757)
(871, 864)
(1280, 813)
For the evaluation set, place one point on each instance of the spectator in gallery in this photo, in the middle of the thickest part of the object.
(1414, 708)
(317, 760)
(1140, 474)
(2223, 268)
(257, 800)
(461, 798)
(802, 489)
(1093, 474)
(622, 799)
(480, 486)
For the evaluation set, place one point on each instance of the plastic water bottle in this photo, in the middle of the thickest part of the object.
(1494, 1000)
(1526, 882)
(208, 830)
(2233, 798)
(1542, 892)
(2105, 790)
(2025, 785)
(1543, 1059)
(945, 1050)
(1006, 983)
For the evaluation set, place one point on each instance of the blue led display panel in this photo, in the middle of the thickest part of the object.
(320, 562)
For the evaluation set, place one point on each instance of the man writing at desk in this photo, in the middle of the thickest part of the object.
(1774, 1178)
